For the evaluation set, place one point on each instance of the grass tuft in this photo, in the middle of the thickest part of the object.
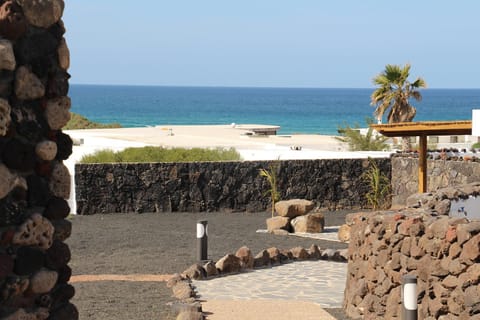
(161, 154)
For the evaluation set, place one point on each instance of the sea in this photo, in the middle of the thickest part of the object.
(295, 110)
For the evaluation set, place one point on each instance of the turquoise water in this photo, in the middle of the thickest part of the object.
(296, 110)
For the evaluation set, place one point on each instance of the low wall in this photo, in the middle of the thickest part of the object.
(442, 252)
(215, 186)
(440, 174)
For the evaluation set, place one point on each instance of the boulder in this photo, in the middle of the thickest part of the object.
(277, 223)
(7, 57)
(310, 223)
(228, 264)
(60, 181)
(63, 55)
(182, 290)
(22, 314)
(42, 13)
(46, 150)
(293, 208)
(300, 253)
(262, 259)
(12, 21)
(196, 272)
(246, 257)
(174, 280)
(210, 269)
(43, 281)
(8, 181)
(280, 232)
(314, 252)
(344, 233)
(27, 85)
(66, 311)
(276, 256)
(57, 112)
(35, 231)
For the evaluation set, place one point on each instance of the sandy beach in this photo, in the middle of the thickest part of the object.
(251, 147)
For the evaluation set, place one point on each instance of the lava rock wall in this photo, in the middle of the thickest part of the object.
(442, 252)
(218, 186)
(34, 182)
(440, 174)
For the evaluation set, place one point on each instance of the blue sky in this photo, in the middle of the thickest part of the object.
(266, 43)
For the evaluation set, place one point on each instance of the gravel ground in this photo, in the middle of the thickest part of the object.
(160, 243)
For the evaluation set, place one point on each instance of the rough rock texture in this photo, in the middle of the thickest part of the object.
(440, 174)
(293, 208)
(7, 58)
(34, 259)
(442, 252)
(344, 233)
(57, 112)
(277, 223)
(5, 117)
(246, 257)
(35, 231)
(195, 272)
(27, 85)
(312, 223)
(13, 24)
(226, 186)
(60, 181)
(229, 264)
(63, 55)
(42, 13)
(46, 150)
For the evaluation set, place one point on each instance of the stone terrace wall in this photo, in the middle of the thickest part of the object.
(34, 183)
(214, 186)
(442, 252)
(440, 174)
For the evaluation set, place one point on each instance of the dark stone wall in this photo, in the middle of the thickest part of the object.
(218, 186)
(440, 174)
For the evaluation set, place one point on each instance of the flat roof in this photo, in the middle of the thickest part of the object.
(425, 128)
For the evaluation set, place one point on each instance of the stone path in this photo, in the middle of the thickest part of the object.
(320, 282)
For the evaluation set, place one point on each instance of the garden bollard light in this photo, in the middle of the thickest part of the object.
(409, 298)
(202, 240)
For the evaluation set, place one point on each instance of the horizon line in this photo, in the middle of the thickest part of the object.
(254, 87)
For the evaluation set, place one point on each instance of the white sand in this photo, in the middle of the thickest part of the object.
(273, 147)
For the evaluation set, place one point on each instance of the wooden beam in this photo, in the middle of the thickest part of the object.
(422, 165)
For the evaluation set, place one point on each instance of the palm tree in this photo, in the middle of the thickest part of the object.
(393, 94)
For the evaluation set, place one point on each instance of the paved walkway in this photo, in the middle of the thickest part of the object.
(321, 282)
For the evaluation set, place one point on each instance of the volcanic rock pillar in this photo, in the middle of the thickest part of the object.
(34, 182)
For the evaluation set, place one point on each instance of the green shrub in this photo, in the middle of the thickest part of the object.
(80, 122)
(476, 145)
(271, 175)
(359, 142)
(160, 154)
(379, 193)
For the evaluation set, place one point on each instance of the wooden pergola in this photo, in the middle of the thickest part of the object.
(423, 130)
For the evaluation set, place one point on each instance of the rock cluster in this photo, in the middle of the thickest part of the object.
(294, 216)
(242, 260)
(441, 251)
(218, 186)
(34, 271)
